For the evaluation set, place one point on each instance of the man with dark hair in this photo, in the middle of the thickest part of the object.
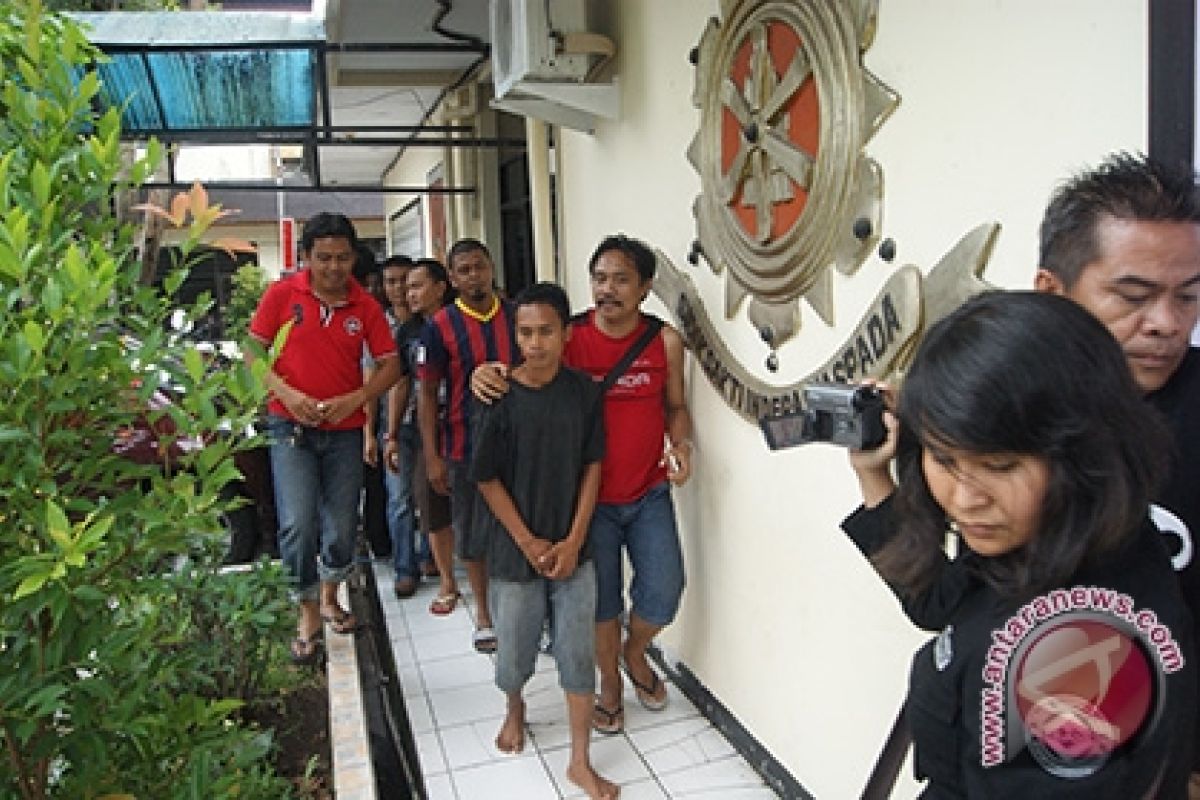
(427, 290)
(537, 457)
(648, 433)
(368, 273)
(316, 416)
(399, 509)
(475, 328)
(649, 449)
(1123, 241)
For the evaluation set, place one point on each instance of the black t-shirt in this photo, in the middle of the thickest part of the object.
(1177, 511)
(409, 344)
(536, 442)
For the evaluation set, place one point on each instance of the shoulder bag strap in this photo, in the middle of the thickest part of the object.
(653, 326)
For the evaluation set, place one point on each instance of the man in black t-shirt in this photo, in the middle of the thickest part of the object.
(427, 290)
(1123, 241)
(537, 460)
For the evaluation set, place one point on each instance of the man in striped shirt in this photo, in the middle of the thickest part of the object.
(475, 328)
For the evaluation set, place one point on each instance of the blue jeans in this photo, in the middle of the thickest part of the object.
(646, 528)
(318, 479)
(401, 519)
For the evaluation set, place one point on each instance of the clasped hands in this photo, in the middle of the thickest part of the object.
(314, 413)
(553, 560)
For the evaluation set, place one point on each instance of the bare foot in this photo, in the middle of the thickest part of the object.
(511, 738)
(586, 778)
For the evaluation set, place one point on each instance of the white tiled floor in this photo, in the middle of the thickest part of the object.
(455, 711)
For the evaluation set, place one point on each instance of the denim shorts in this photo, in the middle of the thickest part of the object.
(318, 480)
(519, 610)
(646, 529)
(470, 514)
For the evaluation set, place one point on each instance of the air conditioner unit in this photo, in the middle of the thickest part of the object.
(543, 59)
(526, 41)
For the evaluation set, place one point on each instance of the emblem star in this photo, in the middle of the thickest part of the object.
(766, 158)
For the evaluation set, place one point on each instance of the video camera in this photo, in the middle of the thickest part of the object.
(837, 413)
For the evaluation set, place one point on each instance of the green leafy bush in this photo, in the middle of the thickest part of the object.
(249, 283)
(109, 684)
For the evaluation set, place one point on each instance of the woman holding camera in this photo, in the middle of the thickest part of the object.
(1064, 663)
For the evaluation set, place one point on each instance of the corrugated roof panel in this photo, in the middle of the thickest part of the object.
(208, 70)
(125, 83)
(235, 89)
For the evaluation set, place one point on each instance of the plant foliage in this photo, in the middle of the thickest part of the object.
(249, 283)
(111, 681)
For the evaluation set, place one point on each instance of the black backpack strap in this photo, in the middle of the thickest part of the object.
(653, 326)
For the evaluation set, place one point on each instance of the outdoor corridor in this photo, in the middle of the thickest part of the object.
(455, 711)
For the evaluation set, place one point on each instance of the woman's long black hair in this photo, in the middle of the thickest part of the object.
(1035, 374)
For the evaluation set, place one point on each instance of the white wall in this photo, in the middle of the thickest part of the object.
(782, 619)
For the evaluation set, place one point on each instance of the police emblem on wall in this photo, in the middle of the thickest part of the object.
(788, 194)
(786, 108)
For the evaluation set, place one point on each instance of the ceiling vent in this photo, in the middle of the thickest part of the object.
(544, 61)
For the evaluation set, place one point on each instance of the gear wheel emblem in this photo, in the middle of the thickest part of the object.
(786, 108)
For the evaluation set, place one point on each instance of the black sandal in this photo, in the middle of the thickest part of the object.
(613, 723)
(341, 621)
(648, 695)
(304, 651)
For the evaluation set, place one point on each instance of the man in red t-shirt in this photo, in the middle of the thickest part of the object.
(648, 447)
(316, 415)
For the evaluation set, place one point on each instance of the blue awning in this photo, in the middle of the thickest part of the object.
(189, 73)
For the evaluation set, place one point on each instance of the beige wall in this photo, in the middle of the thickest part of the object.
(475, 215)
(782, 619)
(413, 170)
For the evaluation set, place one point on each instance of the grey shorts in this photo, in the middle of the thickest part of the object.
(519, 610)
(470, 514)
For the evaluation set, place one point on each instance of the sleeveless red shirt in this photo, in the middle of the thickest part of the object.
(635, 419)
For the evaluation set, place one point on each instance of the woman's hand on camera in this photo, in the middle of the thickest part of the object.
(874, 467)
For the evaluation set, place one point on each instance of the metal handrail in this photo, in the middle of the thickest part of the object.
(882, 779)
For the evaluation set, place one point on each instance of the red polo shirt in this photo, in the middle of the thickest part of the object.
(322, 355)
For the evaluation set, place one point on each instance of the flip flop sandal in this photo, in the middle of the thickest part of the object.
(648, 695)
(484, 640)
(305, 651)
(444, 604)
(342, 622)
(608, 722)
